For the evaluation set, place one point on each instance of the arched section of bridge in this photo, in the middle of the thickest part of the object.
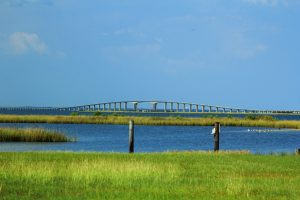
(151, 107)
(168, 106)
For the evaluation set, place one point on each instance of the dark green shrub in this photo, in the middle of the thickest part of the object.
(98, 113)
(260, 117)
(74, 114)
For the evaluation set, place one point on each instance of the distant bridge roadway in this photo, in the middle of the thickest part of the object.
(151, 107)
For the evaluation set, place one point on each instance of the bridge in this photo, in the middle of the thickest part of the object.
(151, 107)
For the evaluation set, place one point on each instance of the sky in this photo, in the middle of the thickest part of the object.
(235, 53)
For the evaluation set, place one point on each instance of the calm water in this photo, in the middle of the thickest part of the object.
(114, 138)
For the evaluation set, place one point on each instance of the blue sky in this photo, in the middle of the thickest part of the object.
(241, 53)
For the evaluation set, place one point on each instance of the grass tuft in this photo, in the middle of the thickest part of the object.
(32, 135)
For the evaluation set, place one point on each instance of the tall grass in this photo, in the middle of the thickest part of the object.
(32, 135)
(184, 175)
(161, 121)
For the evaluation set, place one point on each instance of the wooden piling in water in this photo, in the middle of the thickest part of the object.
(217, 136)
(131, 136)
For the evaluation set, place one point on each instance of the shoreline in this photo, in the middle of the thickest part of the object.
(151, 121)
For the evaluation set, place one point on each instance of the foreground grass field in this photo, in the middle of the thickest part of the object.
(161, 121)
(185, 175)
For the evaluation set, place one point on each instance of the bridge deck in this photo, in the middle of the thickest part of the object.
(152, 107)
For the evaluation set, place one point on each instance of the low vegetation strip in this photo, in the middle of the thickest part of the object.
(161, 121)
(31, 135)
(184, 175)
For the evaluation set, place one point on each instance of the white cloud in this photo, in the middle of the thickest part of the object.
(181, 66)
(261, 48)
(190, 62)
(145, 49)
(139, 51)
(25, 2)
(21, 42)
(2, 39)
(273, 2)
(249, 51)
(238, 45)
(263, 2)
(128, 31)
(133, 56)
(60, 54)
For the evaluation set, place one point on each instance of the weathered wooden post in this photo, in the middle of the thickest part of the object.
(217, 136)
(131, 136)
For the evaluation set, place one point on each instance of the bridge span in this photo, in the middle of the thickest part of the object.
(151, 107)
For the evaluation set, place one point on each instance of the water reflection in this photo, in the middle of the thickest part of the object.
(114, 138)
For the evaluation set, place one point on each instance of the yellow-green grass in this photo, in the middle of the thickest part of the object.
(177, 121)
(185, 175)
(31, 135)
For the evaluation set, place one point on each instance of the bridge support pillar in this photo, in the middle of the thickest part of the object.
(183, 107)
(115, 106)
(210, 109)
(203, 108)
(165, 106)
(125, 105)
(197, 108)
(190, 108)
(177, 107)
(120, 106)
(171, 108)
(154, 106)
(135, 106)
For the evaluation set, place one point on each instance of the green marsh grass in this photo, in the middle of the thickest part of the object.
(31, 135)
(160, 121)
(174, 175)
